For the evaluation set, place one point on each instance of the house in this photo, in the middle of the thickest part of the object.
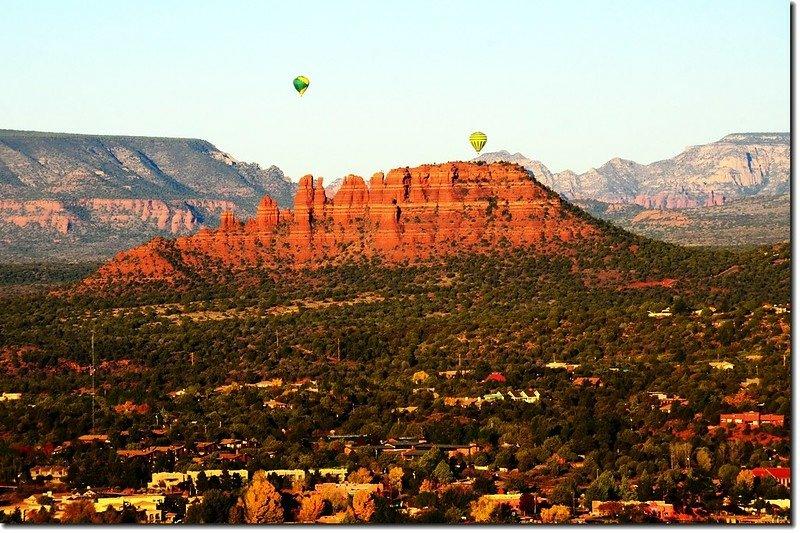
(658, 508)
(511, 499)
(782, 475)
(569, 367)
(660, 314)
(90, 439)
(216, 472)
(232, 444)
(523, 397)
(338, 472)
(588, 381)
(274, 404)
(56, 473)
(8, 396)
(462, 402)
(267, 383)
(751, 418)
(450, 374)
(665, 401)
(234, 456)
(495, 376)
(721, 365)
(203, 448)
(493, 396)
(350, 488)
(226, 389)
(167, 481)
(150, 504)
(295, 475)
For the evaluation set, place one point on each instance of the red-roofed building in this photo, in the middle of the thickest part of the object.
(782, 475)
(751, 418)
(495, 376)
(590, 381)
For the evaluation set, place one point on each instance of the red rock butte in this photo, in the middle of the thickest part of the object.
(410, 213)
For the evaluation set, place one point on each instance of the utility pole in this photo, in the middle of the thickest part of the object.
(338, 351)
(192, 358)
(92, 372)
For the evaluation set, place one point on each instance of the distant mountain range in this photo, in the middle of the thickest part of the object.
(78, 197)
(90, 196)
(738, 165)
(733, 191)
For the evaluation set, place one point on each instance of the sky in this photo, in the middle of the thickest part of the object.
(571, 84)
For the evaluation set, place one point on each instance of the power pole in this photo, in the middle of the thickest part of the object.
(338, 351)
(92, 372)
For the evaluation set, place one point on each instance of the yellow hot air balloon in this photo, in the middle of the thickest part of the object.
(301, 83)
(478, 140)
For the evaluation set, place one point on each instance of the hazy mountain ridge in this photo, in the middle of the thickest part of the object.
(89, 196)
(738, 165)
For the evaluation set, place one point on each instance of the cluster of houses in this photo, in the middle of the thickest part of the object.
(477, 401)
(751, 418)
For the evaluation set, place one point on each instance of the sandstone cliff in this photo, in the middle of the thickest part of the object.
(409, 213)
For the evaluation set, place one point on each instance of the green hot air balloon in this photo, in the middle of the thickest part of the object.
(301, 83)
(478, 140)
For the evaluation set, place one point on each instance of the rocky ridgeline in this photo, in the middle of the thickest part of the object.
(90, 196)
(737, 166)
(409, 213)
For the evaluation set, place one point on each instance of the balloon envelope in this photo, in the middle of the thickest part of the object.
(478, 140)
(301, 83)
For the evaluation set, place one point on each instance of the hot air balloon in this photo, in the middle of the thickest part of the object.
(301, 83)
(478, 140)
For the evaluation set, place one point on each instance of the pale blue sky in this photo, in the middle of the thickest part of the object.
(572, 84)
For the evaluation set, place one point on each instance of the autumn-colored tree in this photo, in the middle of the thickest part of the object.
(362, 475)
(396, 474)
(261, 502)
(336, 496)
(363, 505)
(746, 479)
(704, 459)
(427, 485)
(481, 509)
(79, 512)
(42, 516)
(311, 508)
(419, 376)
(556, 514)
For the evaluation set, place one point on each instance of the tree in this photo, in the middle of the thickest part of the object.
(261, 502)
(363, 505)
(443, 473)
(396, 474)
(311, 508)
(528, 504)
(362, 475)
(704, 459)
(602, 488)
(42, 516)
(79, 512)
(215, 508)
(481, 509)
(557, 514)
(563, 493)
